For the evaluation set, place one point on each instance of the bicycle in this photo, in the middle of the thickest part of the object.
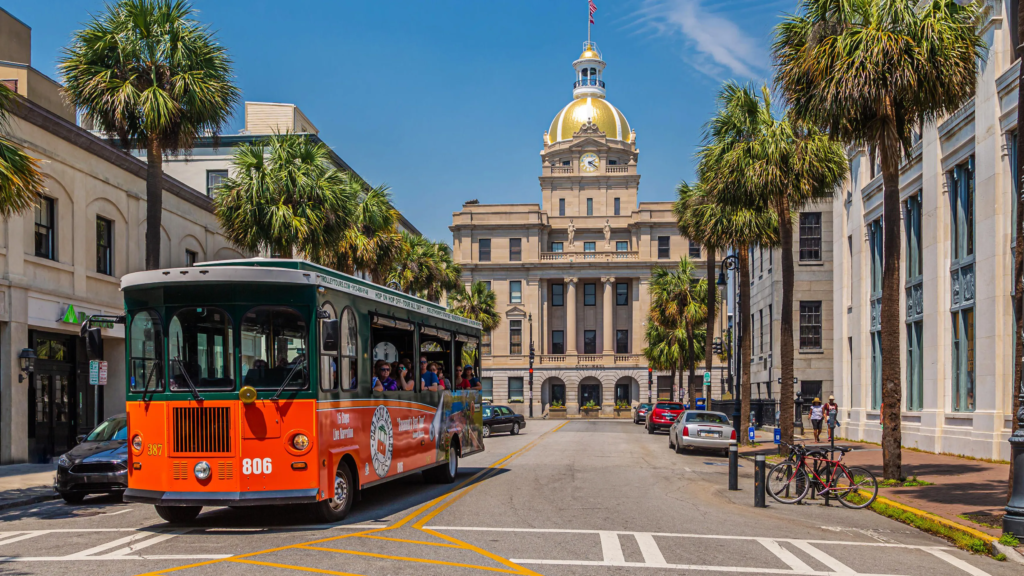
(788, 481)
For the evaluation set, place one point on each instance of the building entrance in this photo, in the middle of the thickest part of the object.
(53, 399)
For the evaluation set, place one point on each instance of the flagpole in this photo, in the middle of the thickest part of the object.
(588, 22)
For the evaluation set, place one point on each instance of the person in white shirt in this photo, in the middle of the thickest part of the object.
(817, 415)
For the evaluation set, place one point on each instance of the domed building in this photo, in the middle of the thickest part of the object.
(571, 273)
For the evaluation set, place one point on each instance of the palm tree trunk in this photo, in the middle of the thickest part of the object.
(743, 366)
(154, 203)
(691, 390)
(673, 380)
(892, 401)
(682, 374)
(1018, 270)
(786, 324)
(712, 293)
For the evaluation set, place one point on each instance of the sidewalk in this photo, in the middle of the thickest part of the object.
(23, 484)
(962, 490)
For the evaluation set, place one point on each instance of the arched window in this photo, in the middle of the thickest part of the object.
(146, 352)
(593, 76)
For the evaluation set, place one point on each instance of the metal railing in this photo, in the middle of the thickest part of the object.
(588, 82)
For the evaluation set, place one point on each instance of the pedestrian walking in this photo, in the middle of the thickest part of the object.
(832, 415)
(817, 415)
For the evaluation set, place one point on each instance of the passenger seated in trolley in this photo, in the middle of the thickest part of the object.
(382, 380)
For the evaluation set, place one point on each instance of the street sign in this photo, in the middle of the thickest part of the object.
(707, 378)
(98, 372)
(750, 433)
(778, 435)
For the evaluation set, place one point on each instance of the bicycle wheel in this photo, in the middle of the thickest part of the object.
(787, 482)
(857, 488)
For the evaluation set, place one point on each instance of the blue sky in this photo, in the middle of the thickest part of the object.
(447, 100)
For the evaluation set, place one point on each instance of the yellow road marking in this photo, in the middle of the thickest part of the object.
(492, 469)
(411, 559)
(411, 541)
(290, 567)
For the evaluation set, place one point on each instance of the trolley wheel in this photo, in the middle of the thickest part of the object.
(445, 473)
(178, 514)
(335, 509)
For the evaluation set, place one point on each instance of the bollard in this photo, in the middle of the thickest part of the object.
(759, 481)
(734, 462)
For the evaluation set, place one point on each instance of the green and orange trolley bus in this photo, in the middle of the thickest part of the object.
(249, 382)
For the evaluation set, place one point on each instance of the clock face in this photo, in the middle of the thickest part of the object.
(589, 162)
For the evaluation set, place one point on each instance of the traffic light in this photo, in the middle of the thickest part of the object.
(716, 346)
(532, 355)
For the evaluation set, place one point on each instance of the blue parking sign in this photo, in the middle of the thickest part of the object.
(778, 436)
(750, 433)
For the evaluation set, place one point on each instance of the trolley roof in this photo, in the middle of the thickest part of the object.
(284, 271)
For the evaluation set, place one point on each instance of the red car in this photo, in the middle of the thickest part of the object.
(663, 415)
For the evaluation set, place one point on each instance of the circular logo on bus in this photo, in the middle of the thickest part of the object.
(382, 440)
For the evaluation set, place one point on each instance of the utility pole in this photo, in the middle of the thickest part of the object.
(530, 320)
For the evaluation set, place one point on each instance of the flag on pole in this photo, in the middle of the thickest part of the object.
(593, 8)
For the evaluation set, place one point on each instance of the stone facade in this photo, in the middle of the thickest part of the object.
(572, 273)
(812, 309)
(955, 311)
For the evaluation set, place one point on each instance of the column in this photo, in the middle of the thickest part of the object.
(608, 315)
(570, 316)
(14, 394)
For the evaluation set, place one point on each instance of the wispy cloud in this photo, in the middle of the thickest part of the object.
(717, 46)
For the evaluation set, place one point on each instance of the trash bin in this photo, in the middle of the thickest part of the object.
(700, 404)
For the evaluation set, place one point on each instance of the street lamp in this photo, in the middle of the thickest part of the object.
(732, 262)
(1013, 520)
(27, 362)
(529, 318)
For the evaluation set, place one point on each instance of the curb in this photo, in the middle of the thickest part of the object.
(29, 500)
(1010, 552)
(987, 538)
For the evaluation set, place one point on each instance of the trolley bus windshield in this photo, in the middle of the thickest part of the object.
(273, 345)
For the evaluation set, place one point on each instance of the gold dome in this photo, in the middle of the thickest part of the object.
(589, 53)
(599, 111)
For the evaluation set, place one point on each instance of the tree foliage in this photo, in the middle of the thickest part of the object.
(478, 303)
(21, 182)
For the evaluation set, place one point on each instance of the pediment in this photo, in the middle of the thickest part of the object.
(515, 312)
(588, 142)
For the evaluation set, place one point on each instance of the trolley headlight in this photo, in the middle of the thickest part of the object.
(202, 470)
(300, 442)
(137, 443)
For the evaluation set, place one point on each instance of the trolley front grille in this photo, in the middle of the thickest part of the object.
(205, 430)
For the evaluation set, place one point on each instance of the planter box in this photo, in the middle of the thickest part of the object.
(590, 412)
(557, 413)
(624, 413)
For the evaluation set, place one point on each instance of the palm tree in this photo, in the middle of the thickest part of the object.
(690, 198)
(20, 179)
(663, 345)
(739, 227)
(285, 197)
(868, 71)
(148, 73)
(478, 303)
(425, 268)
(678, 303)
(372, 242)
(757, 160)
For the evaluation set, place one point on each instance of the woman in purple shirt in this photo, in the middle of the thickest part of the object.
(382, 380)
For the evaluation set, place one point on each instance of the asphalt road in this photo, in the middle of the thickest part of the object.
(581, 497)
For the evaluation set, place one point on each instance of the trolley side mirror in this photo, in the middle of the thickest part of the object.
(331, 332)
(94, 343)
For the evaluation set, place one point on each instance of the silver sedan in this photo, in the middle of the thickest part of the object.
(702, 429)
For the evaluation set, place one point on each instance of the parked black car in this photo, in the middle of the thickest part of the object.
(502, 419)
(97, 465)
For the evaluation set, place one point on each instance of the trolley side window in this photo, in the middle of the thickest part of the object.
(146, 352)
(467, 353)
(436, 348)
(339, 368)
(274, 348)
(393, 347)
(202, 349)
